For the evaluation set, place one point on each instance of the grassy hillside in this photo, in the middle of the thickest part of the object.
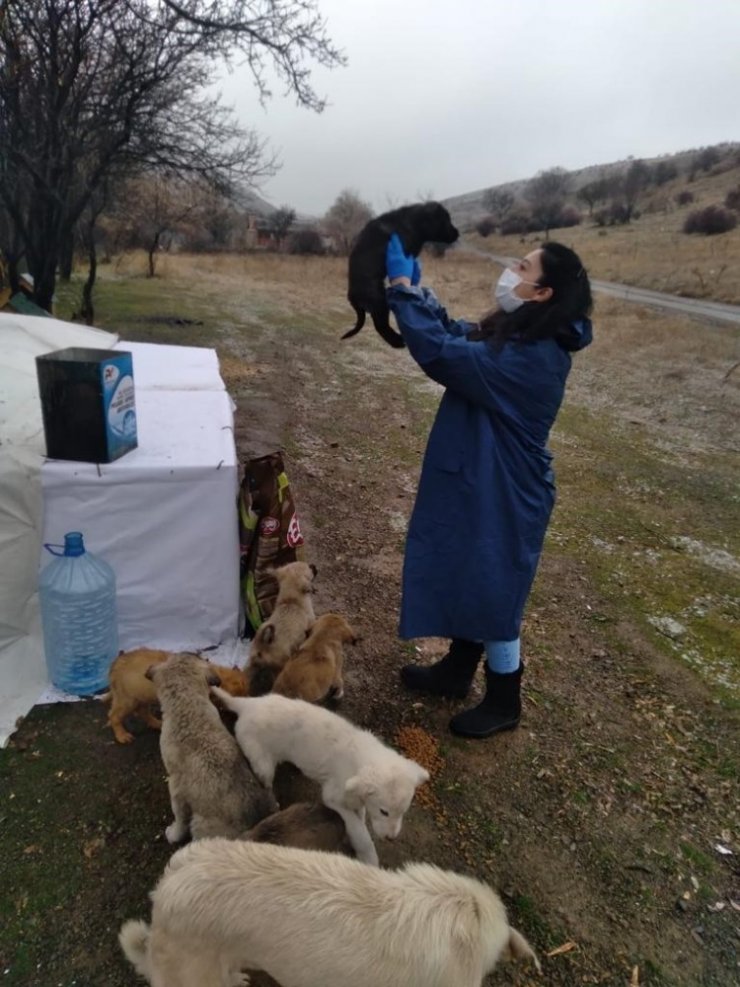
(651, 251)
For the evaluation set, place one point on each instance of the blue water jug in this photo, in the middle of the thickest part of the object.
(77, 592)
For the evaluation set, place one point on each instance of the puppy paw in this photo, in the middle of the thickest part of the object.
(175, 833)
(369, 857)
(239, 979)
(123, 736)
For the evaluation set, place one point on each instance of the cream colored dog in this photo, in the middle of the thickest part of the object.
(212, 790)
(315, 670)
(131, 693)
(358, 774)
(312, 919)
(287, 626)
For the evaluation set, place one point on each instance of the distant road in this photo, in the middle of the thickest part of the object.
(698, 307)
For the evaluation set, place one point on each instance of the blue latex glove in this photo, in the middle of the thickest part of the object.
(416, 276)
(397, 263)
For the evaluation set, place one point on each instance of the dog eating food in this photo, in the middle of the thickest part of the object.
(427, 222)
(305, 825)
(285, 629)
(360, 777)
(311, 919)
(131, 693)
(212, 790)
(314, 673)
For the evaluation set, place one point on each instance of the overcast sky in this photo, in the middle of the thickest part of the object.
(449, 97)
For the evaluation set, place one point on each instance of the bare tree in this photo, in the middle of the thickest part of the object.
(593, 192)
(283, 33)
(89, 87)
(498, 203)
(546, 194)
(346, 217)
(635, 181)
(280, 222)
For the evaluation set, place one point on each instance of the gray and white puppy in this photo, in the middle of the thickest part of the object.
(212, 790)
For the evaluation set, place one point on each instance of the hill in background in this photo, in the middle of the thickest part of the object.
(469, 207)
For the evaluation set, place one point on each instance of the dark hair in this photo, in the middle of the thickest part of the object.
(562, 271)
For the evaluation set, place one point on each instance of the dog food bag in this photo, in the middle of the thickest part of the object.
(269, 533)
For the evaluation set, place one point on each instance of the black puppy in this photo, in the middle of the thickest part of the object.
(427, 222)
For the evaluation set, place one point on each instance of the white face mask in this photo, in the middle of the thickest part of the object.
(504, 290)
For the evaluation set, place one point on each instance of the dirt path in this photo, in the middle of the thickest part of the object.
(603, 820)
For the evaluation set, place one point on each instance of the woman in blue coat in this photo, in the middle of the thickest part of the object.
(487, 488)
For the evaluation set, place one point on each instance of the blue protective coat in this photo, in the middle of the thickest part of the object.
(487, 487)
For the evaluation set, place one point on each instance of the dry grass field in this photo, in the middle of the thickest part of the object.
(605, 818)
(652, 252)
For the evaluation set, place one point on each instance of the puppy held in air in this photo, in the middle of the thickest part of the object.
(426, 222)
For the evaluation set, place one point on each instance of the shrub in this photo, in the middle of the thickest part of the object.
(685, 197)
(706, 159)
(569, 216)
(732, 199)
(710, 220)
(615, 214)
(306, 242)
(518, 221)
(485, 226)
(664, 171)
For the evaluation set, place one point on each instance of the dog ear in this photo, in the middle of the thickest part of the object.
(421, 775)
(268, 634)
(356, 791)
(313, 569)
(149, 673)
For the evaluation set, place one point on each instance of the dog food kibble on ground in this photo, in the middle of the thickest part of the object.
(421, 747)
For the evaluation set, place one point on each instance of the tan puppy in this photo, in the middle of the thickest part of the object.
(131, 693)
(212, 790)
(286, 628)
(311, 919)
(306, 825)
(315, 671)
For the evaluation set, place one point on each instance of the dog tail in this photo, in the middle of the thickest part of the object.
(519, 949)
(359, 324)
(225, 698)
(134, 940)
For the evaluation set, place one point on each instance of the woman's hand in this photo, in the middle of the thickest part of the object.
(400, 268)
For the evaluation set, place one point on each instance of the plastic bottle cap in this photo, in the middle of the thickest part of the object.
(73, 544)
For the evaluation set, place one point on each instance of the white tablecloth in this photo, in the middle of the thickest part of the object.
(164, 517)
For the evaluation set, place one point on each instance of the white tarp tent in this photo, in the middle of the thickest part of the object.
(163, 516)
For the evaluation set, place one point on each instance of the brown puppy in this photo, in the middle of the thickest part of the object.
(286, 628)
(306, 825)
(315, 671)
(131, 693)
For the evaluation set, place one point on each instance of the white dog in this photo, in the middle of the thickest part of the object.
(358, 774)
(312, 919)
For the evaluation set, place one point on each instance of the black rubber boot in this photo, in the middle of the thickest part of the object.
(451, 676)
(500, 710)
